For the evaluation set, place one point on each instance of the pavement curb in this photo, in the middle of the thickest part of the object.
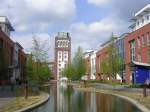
(31, 107)
(134, 102)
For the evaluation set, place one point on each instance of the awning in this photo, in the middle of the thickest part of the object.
(141, 64)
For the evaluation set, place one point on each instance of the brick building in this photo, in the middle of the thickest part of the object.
(19, 62)
(101, 54)
(6, 47)
(62, 53)
(14, 58)
(52, 68)
(137, 48)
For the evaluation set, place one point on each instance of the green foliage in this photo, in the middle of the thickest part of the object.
(77, 69)
(37, 66)
(112, 63)
(79, 63)
(69, 71)
(104, 66)
(37, 72)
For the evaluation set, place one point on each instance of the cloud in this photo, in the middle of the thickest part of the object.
(92, 35)
(99, 2)
(26, 42)
(124, 9)
(38, 15)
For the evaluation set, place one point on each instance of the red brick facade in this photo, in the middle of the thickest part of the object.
(22, 63)
(88, 65)
(100, 55)
(141, 37)
(7, 45)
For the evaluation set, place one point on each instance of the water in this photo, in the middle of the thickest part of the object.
(65, 98)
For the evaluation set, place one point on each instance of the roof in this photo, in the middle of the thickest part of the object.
(141, 64)
(132, 25)
(142, 12)
(4, 19)
(89, 52)
(63, 35)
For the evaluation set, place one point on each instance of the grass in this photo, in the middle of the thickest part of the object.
(20, 102)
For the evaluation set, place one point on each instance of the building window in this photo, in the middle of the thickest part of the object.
(143, 41)
(132, 50)
(65, 56)
(142, 20)
(138, 23)
(1, 43)
(149, 56)
(138, 42)
(148, 38)
(139, 58)
(147, 17)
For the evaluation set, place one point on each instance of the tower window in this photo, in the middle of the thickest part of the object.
(147, 17)
(142, 20)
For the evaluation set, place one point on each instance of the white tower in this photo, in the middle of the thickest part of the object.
(62, 53)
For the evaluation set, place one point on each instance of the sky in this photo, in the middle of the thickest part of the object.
(89, 22)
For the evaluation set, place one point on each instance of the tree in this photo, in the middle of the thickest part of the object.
(39, 50)
(104, 66)
(112, 63)
(79, 63)
(69, 71)
(77, 68)
(37, 65)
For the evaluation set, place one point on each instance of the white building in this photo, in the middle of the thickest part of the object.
(5, 25)
(62, 53)
(141, 18)
(91, 54)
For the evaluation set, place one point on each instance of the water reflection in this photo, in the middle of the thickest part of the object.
(66, 99)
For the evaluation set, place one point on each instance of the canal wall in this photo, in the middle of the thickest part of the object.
(44, 99)
(117, 88)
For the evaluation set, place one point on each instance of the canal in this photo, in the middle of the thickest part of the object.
(65, 98)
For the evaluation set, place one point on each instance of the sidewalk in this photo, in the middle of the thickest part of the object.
(6, 95)
(117, 88)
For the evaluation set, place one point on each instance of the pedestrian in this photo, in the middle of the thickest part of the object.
(147, 82)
